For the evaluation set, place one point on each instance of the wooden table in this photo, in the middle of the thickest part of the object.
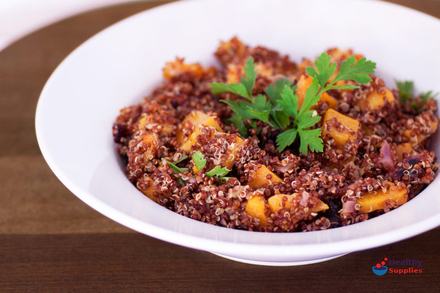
(52, 242)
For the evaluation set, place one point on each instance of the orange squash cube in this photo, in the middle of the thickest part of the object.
(256, 207)
(302, 86)
(196, 119)
(279, 201)
(375, 101)
(260, 177)
(374, 201)
(151, 140)
(351, 127)
(402, 149)
(149, 191)
(233, 153)
(416, 139)
(178, 66)
(146, 120)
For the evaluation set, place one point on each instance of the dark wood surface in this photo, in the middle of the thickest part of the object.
(52, 242)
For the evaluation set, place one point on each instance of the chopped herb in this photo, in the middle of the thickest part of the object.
(406, 93)
(218, 172)
(239, 124)
(176, 169)
(173, 165)
(199, 160)
(405, 90)
(183, 157)
(280, 108)
(427, 96)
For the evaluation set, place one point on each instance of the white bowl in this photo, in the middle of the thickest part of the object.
(122, 64)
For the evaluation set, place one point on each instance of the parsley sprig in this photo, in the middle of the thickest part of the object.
(279, 108)
(406, 92)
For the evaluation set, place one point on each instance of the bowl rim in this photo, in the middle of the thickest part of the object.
(336, 247)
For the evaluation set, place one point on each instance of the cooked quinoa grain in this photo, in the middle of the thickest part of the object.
(375, 155)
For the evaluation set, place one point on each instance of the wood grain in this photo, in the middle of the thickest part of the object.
(135, 263)
(52, 242)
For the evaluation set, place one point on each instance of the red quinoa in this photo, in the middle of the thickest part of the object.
(315, 191)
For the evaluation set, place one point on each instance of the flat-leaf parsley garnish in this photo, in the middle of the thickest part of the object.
(279, 108)
(406, 94)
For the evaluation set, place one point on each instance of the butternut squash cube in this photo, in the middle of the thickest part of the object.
(351, 127)
(146, 120)
(404, 148)
(325, 98)
(196, 119)
(151, 141)
(178, 66)
(279, 201)
(416, 139)
(320, 206)
(276, 202)
(149, 191)
(374, 201)
(256, 207)
(229, 163)
(375, 101)
(260, 177)
(233, 73)
(302, 86)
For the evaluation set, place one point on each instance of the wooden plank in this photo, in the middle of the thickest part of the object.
(133, 262)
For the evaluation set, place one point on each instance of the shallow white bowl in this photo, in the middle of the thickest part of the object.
(120, 65)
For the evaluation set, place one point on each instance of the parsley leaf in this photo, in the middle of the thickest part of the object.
(286, 138)
(325, 69)
(199, 160)
(280, 119)
(427, 96)
(260, 109)
(244, 88)
(220, 88)
(406, 93)
(311, 97)
(405, 90)
(304, 119)
(239, 124)
(310, 139)
(308, 119)
(289, 102)
(274, 92)
(217, 171)
(279, 109)
(250, 75)
(357, 71)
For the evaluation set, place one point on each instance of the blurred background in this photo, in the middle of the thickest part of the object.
(21, 17)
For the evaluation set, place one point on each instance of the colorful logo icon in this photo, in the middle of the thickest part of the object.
(380, 269)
